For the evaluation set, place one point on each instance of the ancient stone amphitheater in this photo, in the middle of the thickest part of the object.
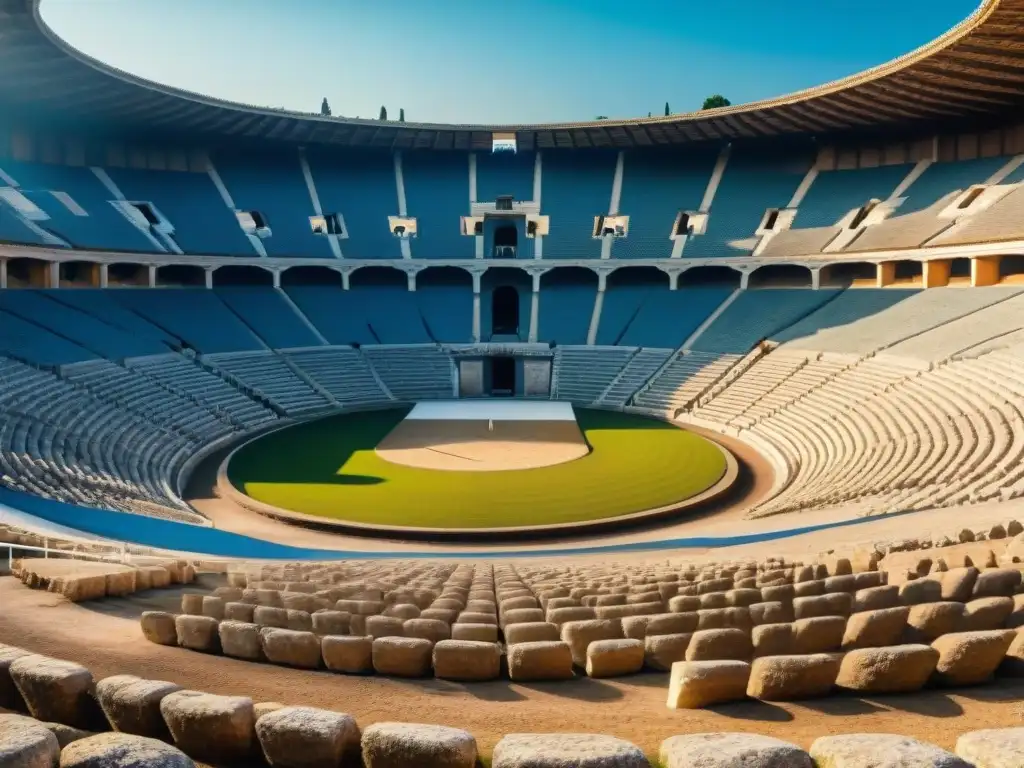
(828, 286)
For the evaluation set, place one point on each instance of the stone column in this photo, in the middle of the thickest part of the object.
(886, 274)
(935, 273)
(535, 307)
(476, 305)
(985, 271)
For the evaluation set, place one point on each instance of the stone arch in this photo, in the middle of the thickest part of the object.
(233, 275)
(960, 270)
(310, 275)
(378, 277)
(79, 274)
(444, 277)
(710, 276)
(1011, 268)
(781, 276)
(849, 273)
(569, 277)
(566, 304)
(908, 272)
(128, 274)
(505, 315)
(637, 276)
(28, 272)
(499, 286)
(181, 275)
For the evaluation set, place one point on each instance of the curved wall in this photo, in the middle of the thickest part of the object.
(890, 94)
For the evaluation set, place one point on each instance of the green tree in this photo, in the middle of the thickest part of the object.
(716, 101)
(325, 108)
(667, 110)
(601, 117)
(401, 115)
(383, 113)
(648, 114)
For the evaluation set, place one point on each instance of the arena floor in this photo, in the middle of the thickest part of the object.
(356, 468)
(515, 435)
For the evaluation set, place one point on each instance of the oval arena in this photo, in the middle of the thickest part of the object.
(693, 440)
(477, 469)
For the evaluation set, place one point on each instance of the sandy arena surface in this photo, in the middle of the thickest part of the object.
(476, 446)
(105, 637)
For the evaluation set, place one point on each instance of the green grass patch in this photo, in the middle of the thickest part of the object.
(329, 468)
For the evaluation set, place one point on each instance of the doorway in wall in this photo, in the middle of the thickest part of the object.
(505, 311)
(503, 376)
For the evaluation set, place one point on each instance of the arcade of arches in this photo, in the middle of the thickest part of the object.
(979, 271)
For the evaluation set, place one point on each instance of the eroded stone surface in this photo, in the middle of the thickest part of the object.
(871, 750)
(396, 745)
(566, 750)
(25, 743)
(729, 750)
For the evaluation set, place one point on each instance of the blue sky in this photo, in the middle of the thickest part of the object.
(481, 61)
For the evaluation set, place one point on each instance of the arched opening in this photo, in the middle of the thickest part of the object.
(682, 226)
(569, 278)
(378, 277)
(627, 292)
(710, 277)
(638, 277)
(28, 273)
(180, 275)
(444, 297)
(960, 271)
(566, 305)
(443, 277)
(503, 376)
(492, 281)
(505, 311)
(1011, 269)
(242, 276)
(79, 274)
(908, 273)
(310, 276)
(780, 276)
(127, 275)
(506, 241)
(860, 273)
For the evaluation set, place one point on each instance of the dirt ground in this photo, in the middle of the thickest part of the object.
(105, 637)
(477, 446)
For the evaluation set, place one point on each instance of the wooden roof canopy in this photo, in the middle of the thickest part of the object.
(976, 70)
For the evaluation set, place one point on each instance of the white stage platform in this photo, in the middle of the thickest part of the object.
(492, 410)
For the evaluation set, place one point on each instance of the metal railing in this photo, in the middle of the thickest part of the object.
(120, 552)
